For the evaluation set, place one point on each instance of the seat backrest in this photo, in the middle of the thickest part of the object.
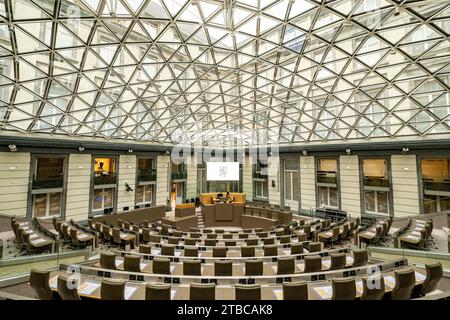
(190, 251)
(65, 229)
(254, 267)
(302, 237)
(271, 250)
(145, 248)
(195, 235)
(338, 261)
(243, 235)
(315, 246)
(360, 257)
(373, 288)
(173, 240)
(247, 251)
(106, 232)
(295, 290)
(252, 242)
(210, 242)
(343, 288)
(227, 236)
(155, 238)
(219, 252)
(405, 280)
(73, 234)
(39, 281)
(297, 248)
(66, 290)
(223, 268)
(192, 268)
(211, 236)
(267, 241)
(108, 260)
(132, 263)
(345, 229)
(285, 239)
(247, 291)
(116, 235)
(157, 291)
(434, 275)
(190, 242)
(98, 226)
(230, 243)
(286, 265)
(312, 264)
(168, 250)
(161, 265)
(112, 290)
(202, 291)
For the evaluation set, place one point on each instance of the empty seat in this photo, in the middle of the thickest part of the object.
(286, 265)
(202, 291)
(360, 257)
(338, 261)
(271, 250)
(155, 238)
(313, 264)
(177, 234)
(252, 242)
(315, 246)
(211, 236)
(230, 243)
(192, 268)
(190, 242)
(262, 234)
(295, 290)
(132, 263)
(405, 280)
(210, 242)
(67, 289)
(247, 251)
(243, 235)
(167, 250)
(39, 281)
(190, 251)
(146, 249)
(173, 240)
(112, 290)
(285, 239)
(207, 231)
(227, 236)
(343, 288)
(254, 267)
(108, 260)
(195, 235)
(297, 248)
(219, 252)
(219, 231)
(302, 237)
(223, 268)
(434, 275)
(247, 291)
(373, 288)
(157, 291)
(267, 241)
(161, 265)
(191, 229)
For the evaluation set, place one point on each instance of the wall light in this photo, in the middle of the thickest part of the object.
(130, 150)
(405, 149)
(348, 151)
(305, 152)
(12, 148)
(81, 149)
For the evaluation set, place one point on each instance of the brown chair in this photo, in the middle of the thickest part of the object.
(243, 235)
(360, 257)
(286, 265)
(302, 237)
(295, 290)
(223, 268)
(190, 242)
(146, 249)
(202, 291)
(108, 260)
(66, 290)
(315, 246)
(285, 239)
(192, 268)
(173, 240)
(373, 288)
(219, 231)
(230, 243)
(39, 281)
(227, 236)
(195, 235)
(312, 264)
(434, 275)
(65, 231)
(338, 261)
(262, 235)
(247, 251)
(405, 280)
(271, 250)
(190, 251)
(155, 238)
(210, 242)
(157, 291)
(254, 267)
(267, 241)
(247, 291)
(161, 265)
(251, 242)
(211, 236)
(343, 288)
(219, 252)
(112, 290)
(205, 231)
(178, 234)
(297, 248)
(132, 263)
(168, 250)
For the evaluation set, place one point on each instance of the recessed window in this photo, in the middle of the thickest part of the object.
(105, 184)
(436, 185)
(377, 192)
(327, 183)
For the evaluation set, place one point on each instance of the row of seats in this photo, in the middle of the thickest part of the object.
(77, 238)
(29, 239)
(417, 235)
(376, 233)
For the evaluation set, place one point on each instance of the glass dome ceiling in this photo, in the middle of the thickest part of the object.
(226, 73)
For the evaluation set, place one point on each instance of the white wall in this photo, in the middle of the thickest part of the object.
(162, 182)
(127, 174)
(274, 174)
(405, 187)
(350, 185)
(307, 183)
(78, 186)
(191, 182)
(247, 176)
(14, 181)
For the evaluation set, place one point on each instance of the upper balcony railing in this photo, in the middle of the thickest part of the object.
(436, 185)
(327, 177)
(48, 183)
(147, 175)
(376, 182)
(105, 178)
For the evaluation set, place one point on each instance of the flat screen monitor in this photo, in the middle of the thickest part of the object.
(222, 171)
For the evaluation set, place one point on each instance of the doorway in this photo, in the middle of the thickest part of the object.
(177, 193)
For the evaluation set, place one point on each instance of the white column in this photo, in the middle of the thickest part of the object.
(350, 185)
(14, 182)
(78, 186)
(191, 183)
(162, 180)
(274, 174)
(405, 187)
(307, 183)
(127, 174)
(247, 178)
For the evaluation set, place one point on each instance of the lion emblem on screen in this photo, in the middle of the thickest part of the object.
(223, 171)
